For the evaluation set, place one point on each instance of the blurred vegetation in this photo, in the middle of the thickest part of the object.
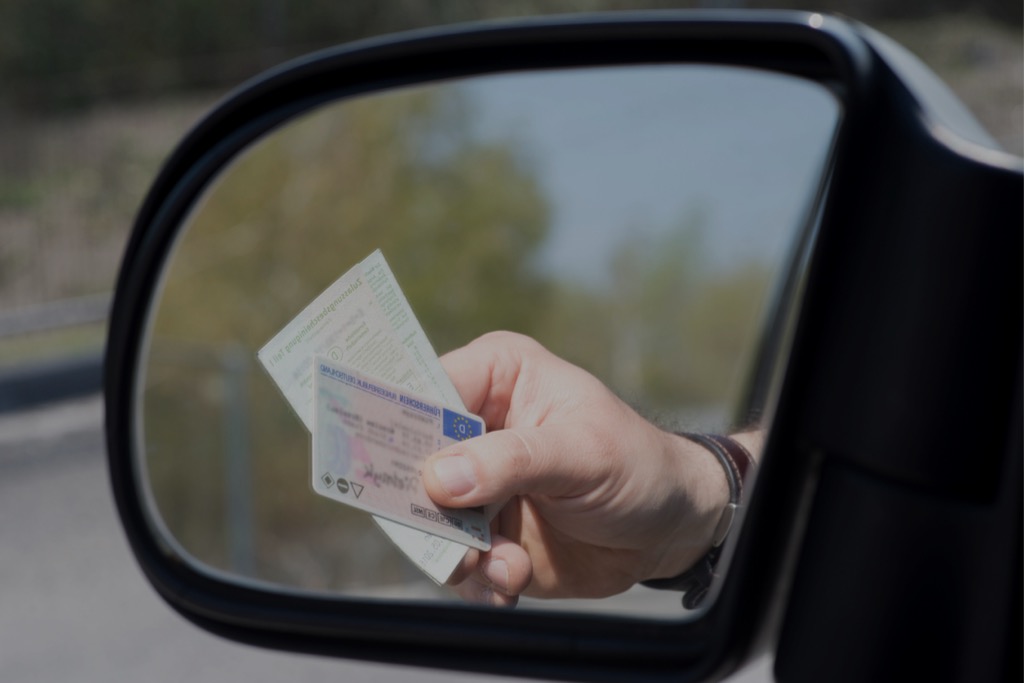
(461, 221)
(456, 217)
(68, 53)
(95, 94)
(666, 330)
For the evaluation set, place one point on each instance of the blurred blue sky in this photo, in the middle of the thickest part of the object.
(627, 152)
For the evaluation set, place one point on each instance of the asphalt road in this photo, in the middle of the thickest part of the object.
(75, 607)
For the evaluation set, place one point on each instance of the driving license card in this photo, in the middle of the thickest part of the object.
(364, 320)
(370, 439)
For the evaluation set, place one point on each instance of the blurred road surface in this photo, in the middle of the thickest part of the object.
(75, 607)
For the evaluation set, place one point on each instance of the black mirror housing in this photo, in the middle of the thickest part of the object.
(915, 268)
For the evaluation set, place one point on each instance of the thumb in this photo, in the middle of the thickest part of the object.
(496, 466)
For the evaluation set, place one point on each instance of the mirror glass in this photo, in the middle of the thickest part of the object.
(637, 221)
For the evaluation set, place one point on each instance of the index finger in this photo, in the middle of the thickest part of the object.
(485, 372)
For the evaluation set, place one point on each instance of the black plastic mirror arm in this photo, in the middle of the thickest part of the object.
(909, 364)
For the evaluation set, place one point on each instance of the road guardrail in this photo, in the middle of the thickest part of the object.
(38, 382)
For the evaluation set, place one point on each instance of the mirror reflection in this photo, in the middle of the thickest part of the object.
(635, 221)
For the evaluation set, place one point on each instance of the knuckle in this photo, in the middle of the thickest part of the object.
(520, 455)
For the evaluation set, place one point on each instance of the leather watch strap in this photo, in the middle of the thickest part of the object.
(740, 460)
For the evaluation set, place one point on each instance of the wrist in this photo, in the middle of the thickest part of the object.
(734, 459)
(700, 496)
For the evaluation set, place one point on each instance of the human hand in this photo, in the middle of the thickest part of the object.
(598, 498)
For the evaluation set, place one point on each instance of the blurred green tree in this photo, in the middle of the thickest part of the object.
(459, 220)
(669, 330)
(65, 53)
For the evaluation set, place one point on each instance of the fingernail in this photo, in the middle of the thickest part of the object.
(496, 572)
(455, 474)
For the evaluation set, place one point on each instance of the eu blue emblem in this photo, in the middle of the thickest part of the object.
(460, 427)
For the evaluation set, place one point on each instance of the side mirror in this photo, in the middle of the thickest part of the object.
(713, 213)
